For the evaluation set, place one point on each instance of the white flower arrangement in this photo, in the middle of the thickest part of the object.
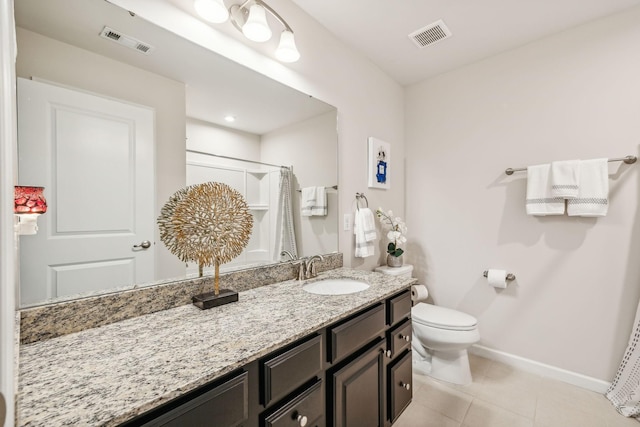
(397, 230)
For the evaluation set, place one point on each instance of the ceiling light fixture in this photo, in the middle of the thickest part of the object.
(250, 17)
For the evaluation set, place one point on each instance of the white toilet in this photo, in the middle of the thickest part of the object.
(441, 337)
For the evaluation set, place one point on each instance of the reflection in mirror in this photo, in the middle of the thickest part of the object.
(103, 127)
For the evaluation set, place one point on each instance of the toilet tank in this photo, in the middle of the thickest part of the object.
(404, 271)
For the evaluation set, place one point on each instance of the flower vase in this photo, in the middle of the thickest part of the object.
(394, 261)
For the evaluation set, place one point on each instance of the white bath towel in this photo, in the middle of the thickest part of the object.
(308, 200)
(320, 207)
(593, 192)
(314, 201)
(539, 200)
(565, 178)
(364, 230)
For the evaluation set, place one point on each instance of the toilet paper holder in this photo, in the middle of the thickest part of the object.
(510, 276)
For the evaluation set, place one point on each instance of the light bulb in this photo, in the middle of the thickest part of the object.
(256, 27)
(212, 10)
(287, 51)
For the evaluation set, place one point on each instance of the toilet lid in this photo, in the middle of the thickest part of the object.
(442, 317)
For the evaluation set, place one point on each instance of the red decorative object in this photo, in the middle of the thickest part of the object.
(29, 200)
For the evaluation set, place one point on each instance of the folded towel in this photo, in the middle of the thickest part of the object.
(314, 201)
(593, 192)
(320, 207)
(565, 178)
(308, 200)
(365, 232)
(539, 200)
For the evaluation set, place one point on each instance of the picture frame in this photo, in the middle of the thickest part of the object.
(379, 167)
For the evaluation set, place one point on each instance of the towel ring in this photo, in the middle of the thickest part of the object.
(361, 196)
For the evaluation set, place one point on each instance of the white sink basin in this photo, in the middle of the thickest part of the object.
(335, 287)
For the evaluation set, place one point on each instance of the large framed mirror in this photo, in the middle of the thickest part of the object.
(116, 114)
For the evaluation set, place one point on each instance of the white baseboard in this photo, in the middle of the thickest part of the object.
(528, 365)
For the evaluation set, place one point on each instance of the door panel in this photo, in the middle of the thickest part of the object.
(95, 158)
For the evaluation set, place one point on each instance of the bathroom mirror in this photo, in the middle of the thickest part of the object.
(185, 91)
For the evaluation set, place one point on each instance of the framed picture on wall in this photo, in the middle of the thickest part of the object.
(379, 164)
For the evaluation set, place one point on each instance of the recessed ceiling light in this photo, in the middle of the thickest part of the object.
(230, 118)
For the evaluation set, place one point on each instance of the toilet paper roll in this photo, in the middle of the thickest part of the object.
(419, 293)
(497, 278)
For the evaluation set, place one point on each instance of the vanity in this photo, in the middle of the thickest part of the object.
(280, 356)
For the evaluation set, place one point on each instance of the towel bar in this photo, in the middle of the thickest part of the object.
(510, 276)
(627, 159)
(361, 196)
(335, 187)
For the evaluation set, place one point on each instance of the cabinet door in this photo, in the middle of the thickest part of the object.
(223, 406)
(357, 391)
(400, 386)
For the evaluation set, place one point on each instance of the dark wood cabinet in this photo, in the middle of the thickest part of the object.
(225, 405)
(283, 373)
(305, 409)
(399, 386)
(357, 390)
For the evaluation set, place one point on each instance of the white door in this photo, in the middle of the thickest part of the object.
(95, 158)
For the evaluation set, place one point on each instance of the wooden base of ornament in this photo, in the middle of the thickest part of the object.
(210, 299)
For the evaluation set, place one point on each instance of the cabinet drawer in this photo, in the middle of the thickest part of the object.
(283, 373)
(305, 409)
(347, 337)
(223, 406)
(400, 386)
(398, 307)
(399, 338)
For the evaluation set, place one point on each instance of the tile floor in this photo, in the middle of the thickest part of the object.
(502, 396)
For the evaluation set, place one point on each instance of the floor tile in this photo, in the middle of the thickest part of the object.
(485, 414)
(417, 415)
(444, 399)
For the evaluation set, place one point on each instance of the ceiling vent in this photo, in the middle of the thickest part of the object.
(431, 34)
(128, 41)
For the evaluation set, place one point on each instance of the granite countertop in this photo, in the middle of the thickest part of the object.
(107, 375)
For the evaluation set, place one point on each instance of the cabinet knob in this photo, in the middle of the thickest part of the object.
(407, 338)
(406, 386)
(302, 420)
(387, 353)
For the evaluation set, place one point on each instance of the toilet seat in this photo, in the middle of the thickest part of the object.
(442, 317)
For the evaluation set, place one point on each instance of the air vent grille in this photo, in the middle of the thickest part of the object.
(430, 34)
(125, 40)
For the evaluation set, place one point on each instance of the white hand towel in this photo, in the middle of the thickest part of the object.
(539, 200)
(320, 206)
(308, 200)
(565, 178)
(593, 192)
(364, 247)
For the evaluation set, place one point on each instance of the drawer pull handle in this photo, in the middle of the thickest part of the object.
(302, 420)
(407, 338)
(406, 386)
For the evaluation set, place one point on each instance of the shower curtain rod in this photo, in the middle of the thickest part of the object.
(627, 159)
(236, 158)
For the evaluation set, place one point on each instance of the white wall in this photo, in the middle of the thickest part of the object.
(211, 138)
(369, 103)
(310, 146)
(58, 62)
(572, 95)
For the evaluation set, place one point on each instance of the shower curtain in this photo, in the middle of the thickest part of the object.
(285, 232)
(624, 391)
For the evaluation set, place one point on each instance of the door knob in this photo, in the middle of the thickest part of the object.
(145, 244)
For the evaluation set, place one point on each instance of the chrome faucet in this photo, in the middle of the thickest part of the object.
(310, 266)
(287, 253)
